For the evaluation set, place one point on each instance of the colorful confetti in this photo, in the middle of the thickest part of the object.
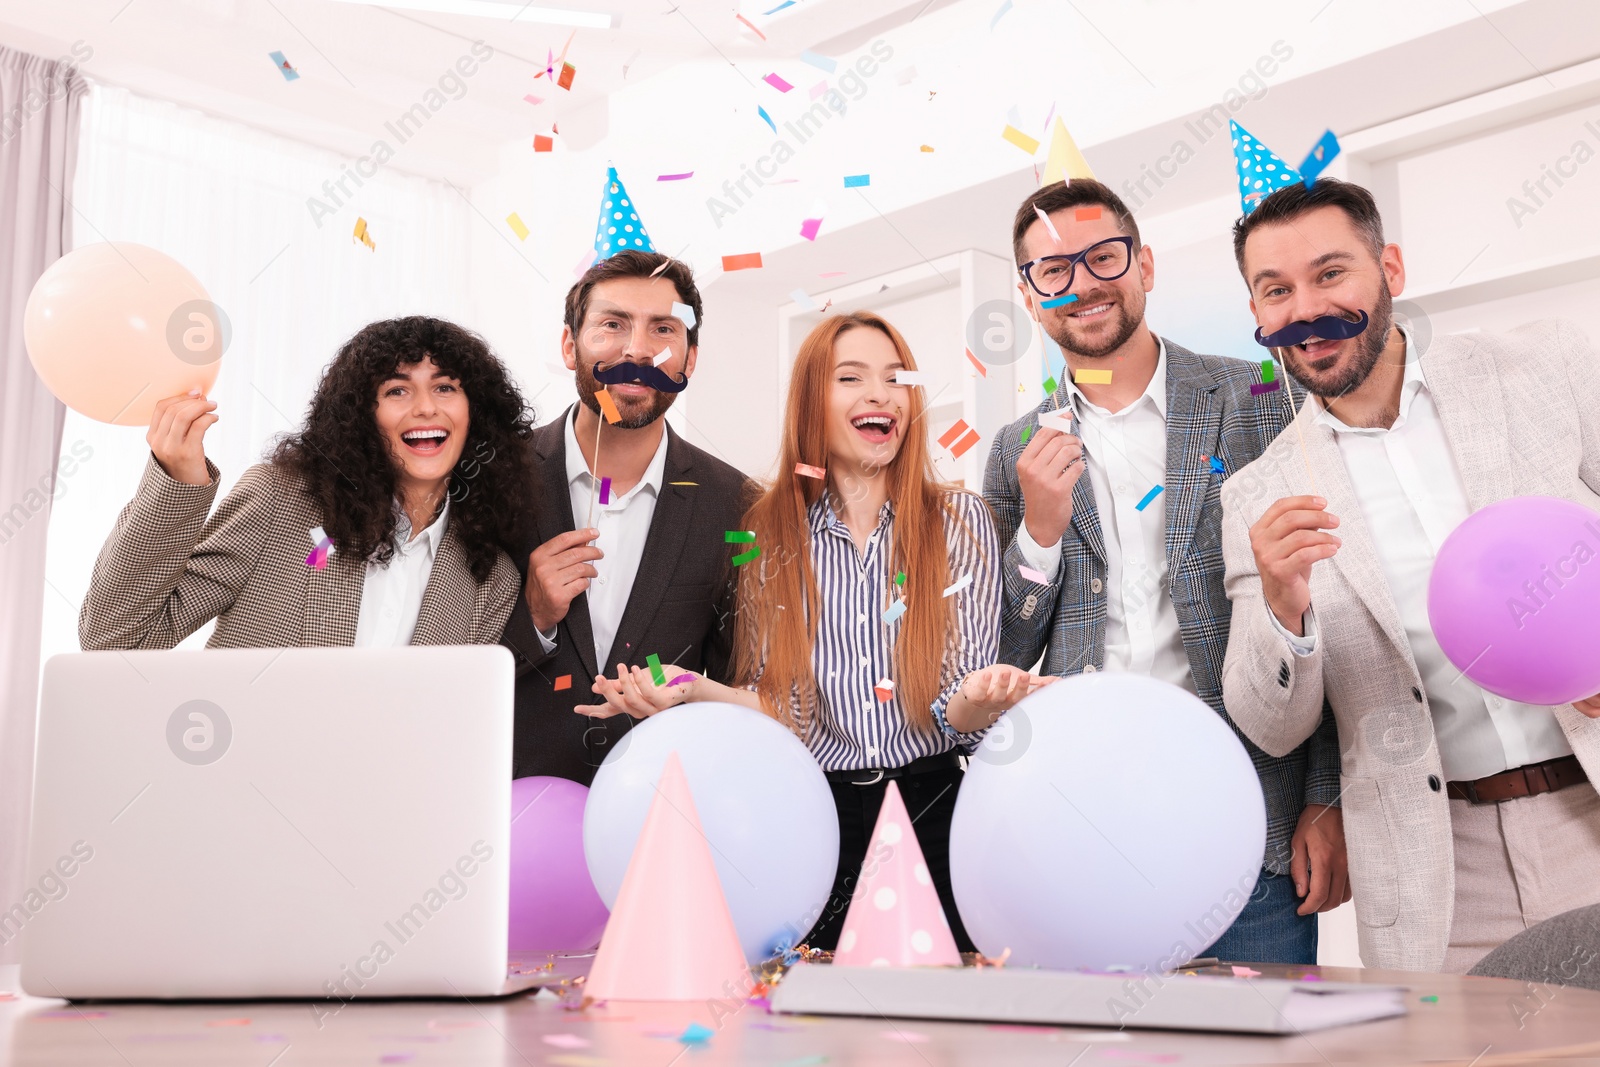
(685, 313)
(695, 1034)
(805, 470)
(1092, 377)
(857, 181)
(674, 177)
(911, 377)
(1021, 140)
(659, 675)
(745, 557)
(683, 679)
(563, 682)
(1086, 214)
(743, 261)
(324, 548)
(1216, 465)
(884, 690)
(1049, 226)
(1145, 501)
(752, 26)
(820, 62)
(362, 235)
(1319, 157)
(518, 227)
(900, 579)
(962, 583)
(1027, 432)
(1245, 972)
(541, 143)
(567, 72)
(605, 490)
(288, 72)
(777, 83)
(1058, 301)
(766, 118)
(739, 537)
(1034, 576)
(608, 406)
(1266, 387)
(895, 610)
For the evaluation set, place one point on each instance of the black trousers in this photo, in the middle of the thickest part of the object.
(931, 800)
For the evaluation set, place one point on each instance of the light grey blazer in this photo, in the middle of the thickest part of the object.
(1522, 415)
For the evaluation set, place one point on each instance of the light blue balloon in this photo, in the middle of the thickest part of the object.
(1107, 821)
(763, 803)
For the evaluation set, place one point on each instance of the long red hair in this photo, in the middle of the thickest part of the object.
(776, 624)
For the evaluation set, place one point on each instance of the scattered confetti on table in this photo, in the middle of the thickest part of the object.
(362, 235)
(1059, 301)
(777, 83)
(608, 406)
(1032, 575)
(1145, 501)
(857, 181)
(806, 470)
(1245, 972)
(674, 177)
(659, 675)
(1092, 377)
(284, 68)
(745, 557)
(962, 583)
(743, 261)
(563, 682)
(1021, 140)
(518, 227)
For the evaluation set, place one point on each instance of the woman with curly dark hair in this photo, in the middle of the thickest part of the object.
(383, 521)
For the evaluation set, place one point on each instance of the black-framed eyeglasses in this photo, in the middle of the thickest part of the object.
(1106, 260)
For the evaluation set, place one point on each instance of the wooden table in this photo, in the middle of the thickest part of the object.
(1474, 1021)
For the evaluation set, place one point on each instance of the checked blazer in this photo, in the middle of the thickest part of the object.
(166, 571)
(1210, 412)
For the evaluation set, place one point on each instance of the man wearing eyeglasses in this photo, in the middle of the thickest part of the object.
(1131, 555)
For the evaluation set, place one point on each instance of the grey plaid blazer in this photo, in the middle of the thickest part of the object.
(165, 571)
(1210, 412)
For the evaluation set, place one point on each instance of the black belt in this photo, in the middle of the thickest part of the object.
(942, 761)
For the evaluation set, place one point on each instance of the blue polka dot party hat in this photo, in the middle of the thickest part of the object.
(1261, 172)
(619, 227)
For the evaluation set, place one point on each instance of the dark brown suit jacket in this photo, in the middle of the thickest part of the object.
(680, 608)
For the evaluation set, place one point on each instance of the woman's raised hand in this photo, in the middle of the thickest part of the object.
(177, 429)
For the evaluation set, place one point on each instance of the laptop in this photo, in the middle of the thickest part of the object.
(257, 823)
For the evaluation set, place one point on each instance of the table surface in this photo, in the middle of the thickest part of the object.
(1474, 1021)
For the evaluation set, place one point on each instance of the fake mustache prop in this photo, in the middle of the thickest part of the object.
(623, 372)
(1328, 327)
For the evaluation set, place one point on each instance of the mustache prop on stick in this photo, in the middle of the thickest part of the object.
(1328, 327)
(623, 372)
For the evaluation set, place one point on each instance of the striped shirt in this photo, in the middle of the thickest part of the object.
(853, 730)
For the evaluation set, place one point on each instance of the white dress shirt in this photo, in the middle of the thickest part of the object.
(1412, 497)
(624, 524)
(1127, 457)
(391, 594)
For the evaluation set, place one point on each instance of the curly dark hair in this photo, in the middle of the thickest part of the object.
(345, 464)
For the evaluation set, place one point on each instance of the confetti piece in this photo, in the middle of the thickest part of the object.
(661, 357)
(780, 7)
(284, 68)
(684, 312)
(983, 372)
(1049, 226)
(805, 470)
(900, 579)
(1049, 386)
(1269, 373)
(563, 682)
(1027, 432)
(766, 118)
(927, 148)
(1034, 576)
(897, 609)
(752, 26)
(961, 446)
(608, 406)
(819, 89)
(1060, 419)
(745, 557)
(1058, 301)
(820, 62)
(911, 377)
(1086, 214)
(695, 1034)
(683, 678)
(229, 1022)
(1268, 387)
(362, 235)
(665, 263)
(517, 226)
(743, 261)
(739, 537)
(809, 228)
(1020, 139)
(777, 83)
(801, 297)
(1092, 377)
(1151, 495)
(585, 263)
(952, 590)
(1425, 1000)
(952, 433)
(857, 181)
(541, 143)
(674, 177)
(567, 72)
(605, 490)
(998, 15)
(1216, 465)
(683, 483)
(656, 672)
(530, 98)
(884, 690)
(1245, 972)
(1319, 157)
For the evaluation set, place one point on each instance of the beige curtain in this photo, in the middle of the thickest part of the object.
(39, 102)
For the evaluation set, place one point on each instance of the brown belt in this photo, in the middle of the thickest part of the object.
(1527, 781)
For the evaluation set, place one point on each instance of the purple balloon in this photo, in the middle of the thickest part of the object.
(1514, 599)
(554, 905)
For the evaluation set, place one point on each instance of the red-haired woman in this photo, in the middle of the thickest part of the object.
(852, 593)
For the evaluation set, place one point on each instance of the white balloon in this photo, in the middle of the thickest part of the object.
(763, 803)
(1117, 821)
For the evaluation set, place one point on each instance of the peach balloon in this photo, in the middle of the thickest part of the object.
(113, 328)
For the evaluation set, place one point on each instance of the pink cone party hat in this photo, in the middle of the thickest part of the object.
(670, 936)
(895, 917)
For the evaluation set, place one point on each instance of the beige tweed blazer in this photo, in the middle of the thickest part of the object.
(166, 570)
(1522, 415)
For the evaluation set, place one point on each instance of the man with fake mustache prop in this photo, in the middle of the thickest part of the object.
(1468, 817)
(647, 573)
